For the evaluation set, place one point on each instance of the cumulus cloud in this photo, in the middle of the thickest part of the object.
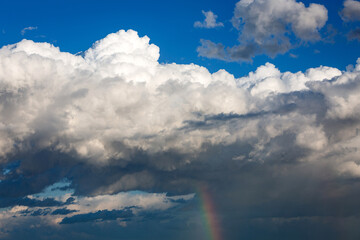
(116, 120)
(24, 30)
(209, 22)
(276, 17)
(265, 26)
(117, 79)
(351, 11)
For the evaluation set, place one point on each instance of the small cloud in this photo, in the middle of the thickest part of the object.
(316, 51)
(27, 29)
(210, 49)
(209, 22)
(293, 55)
(351, 11)
(236, 53)
(354, 34)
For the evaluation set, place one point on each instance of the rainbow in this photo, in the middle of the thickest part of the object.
(209, 214)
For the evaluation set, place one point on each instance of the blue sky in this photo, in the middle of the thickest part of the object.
(75, 25)
(208, 120)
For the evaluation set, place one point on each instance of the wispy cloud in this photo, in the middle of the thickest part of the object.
(23, 31)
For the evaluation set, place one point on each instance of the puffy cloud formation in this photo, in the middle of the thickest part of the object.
(117, 93)
(351, 11)
(269, 145)
(268, 79)
(276, 17)
(209, 22)
(265, 26)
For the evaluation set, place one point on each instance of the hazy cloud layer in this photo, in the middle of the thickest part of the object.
(269, 27)
(275, 149)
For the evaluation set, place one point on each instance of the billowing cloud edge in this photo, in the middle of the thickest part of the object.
(118, 106)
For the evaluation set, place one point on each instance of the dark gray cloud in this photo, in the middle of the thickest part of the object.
(40, 212)
(36, 170)
(62, 211)
(99, 215)
(47, 202)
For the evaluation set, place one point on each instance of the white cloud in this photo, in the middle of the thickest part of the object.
(209, 22)
(268, 79)
(312, 137)
(269, 27)
(351, 11)
(24, 30)
(277, 18)
(350, 168)
(118, 97)
(117, 92)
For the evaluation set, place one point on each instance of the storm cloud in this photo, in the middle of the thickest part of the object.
(274, 149)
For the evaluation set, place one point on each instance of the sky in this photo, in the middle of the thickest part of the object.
(209, 120)
(75, 25)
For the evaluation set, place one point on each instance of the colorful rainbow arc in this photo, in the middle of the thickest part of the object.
(209, 214)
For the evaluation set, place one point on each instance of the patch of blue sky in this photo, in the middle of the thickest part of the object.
(11, 167)
(67, 25)
(137, 192)
(56, 190)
